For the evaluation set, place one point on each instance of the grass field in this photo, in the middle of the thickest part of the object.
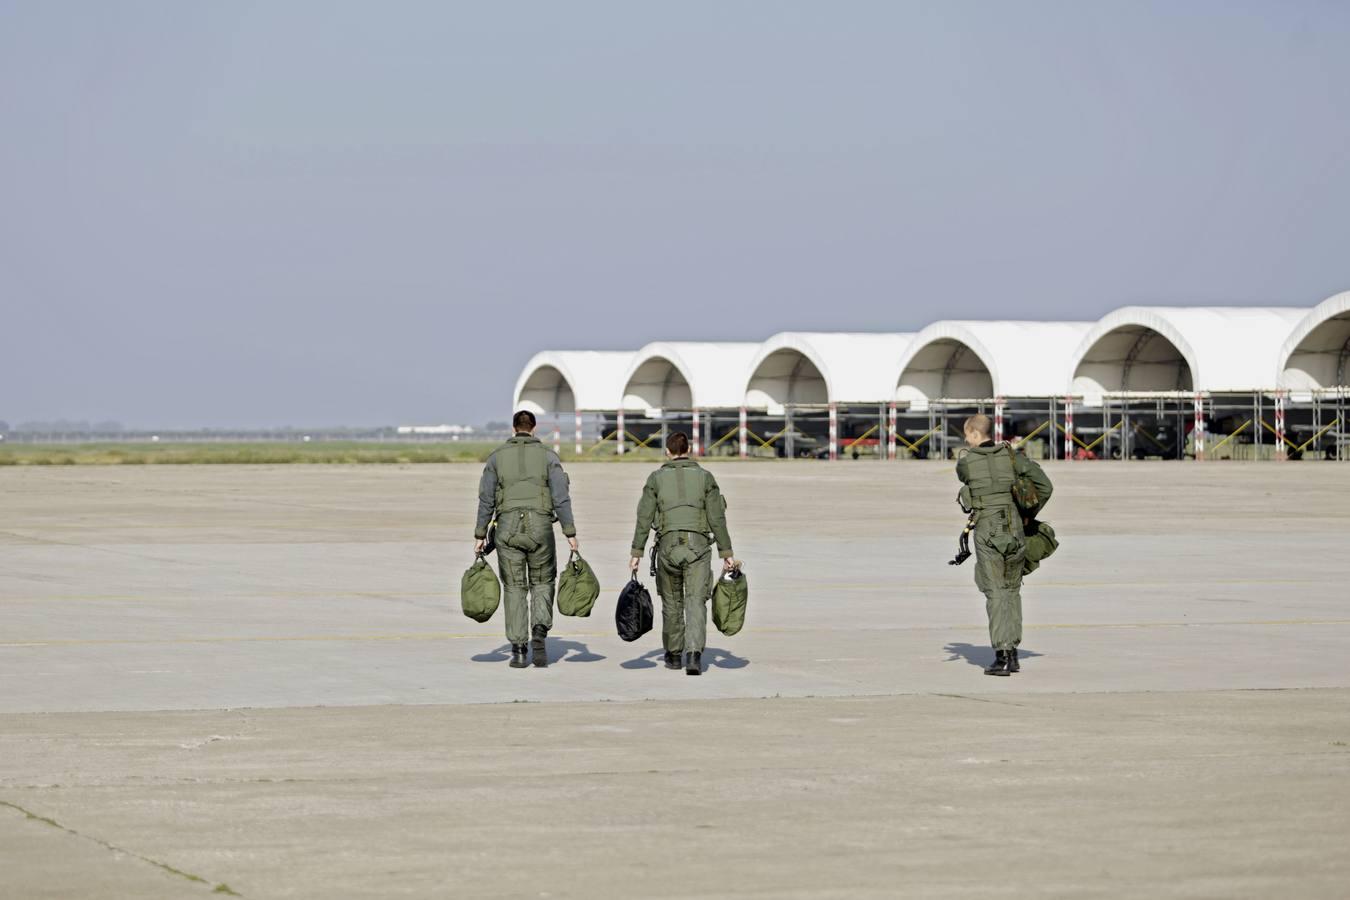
(237, 453)
(268, 453)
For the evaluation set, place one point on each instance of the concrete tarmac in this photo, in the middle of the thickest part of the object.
(258, 677)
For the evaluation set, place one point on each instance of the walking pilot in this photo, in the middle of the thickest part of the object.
(525, 488)
(990, 473)
(682, 501)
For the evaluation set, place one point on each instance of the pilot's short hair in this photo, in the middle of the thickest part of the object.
(678, 444)
(981, 424)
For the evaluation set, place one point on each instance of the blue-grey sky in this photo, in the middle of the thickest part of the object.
(313, 213)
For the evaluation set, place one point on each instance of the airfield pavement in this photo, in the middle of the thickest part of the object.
(256, 680)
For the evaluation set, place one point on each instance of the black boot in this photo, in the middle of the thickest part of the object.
(1013, 664)
(673, 659)
(539, 646)
(518, 656)
(694, 664)
(1000, 666)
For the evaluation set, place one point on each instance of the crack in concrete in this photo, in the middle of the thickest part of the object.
(982, 700)
(219, 888)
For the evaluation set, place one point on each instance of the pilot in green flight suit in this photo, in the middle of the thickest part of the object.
(684, 504)
(525, 488)
(988, 471)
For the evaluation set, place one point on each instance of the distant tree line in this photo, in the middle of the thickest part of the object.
(64, 426)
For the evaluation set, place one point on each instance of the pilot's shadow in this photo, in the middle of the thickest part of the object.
(712, 656)
(981, 656)
(558, 649)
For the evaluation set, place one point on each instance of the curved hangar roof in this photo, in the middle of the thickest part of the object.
(804, 368)
(1159, 349)
(687, 375)
(980, 360)
(1317, 352)
(558, 381)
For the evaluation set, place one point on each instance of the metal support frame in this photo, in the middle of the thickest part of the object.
(891, 450)
(1199, 427)
(1232, 425)
(834, 431)
(1068, 428)
(1280, 441)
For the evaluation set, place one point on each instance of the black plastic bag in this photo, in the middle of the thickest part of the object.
(633, 612)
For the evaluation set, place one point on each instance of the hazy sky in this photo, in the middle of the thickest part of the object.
(315, 213)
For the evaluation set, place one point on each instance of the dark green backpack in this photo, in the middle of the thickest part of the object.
(1024, 492)
(1041, 544)
(577, 587)
(729, 600)
(480, 593)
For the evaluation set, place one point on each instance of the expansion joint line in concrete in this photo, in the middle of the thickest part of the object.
(220, 888)
(977, 699)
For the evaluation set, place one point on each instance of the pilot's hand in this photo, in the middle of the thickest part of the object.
(572, 542)
(728, 564)
(479, 544)
(633, 563)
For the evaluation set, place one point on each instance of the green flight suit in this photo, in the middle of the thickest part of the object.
(525, 488)
(684, 504)
(988, 472)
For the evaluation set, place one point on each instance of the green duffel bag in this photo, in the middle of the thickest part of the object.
(728, 601)
(1041, 544)
(480, 593)
(577, 587)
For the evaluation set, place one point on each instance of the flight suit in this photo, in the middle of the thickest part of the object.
(682, 501)
(988, 472)
(525, 488)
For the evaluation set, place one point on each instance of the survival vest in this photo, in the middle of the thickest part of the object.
(680, 493)
(522, 476)
(996, 478)
(990, 478)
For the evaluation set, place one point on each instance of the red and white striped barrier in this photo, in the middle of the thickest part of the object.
(891, 452)
(697, 449)
(578, 414)
(745, 445)
(618, 435)
(1199, 427)
(998, 420)
(834, 431)
(557, 437)
(1068, 428)
(1280, 441)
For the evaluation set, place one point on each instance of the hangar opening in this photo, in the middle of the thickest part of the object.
(546, 390)
(1131, 362)
(787, 397)
(1132, 359)
(942, 369)
(656, 399)
(1322, 358)
(786, 378)
(944, 381)
(1315, 375)
(658, 384)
